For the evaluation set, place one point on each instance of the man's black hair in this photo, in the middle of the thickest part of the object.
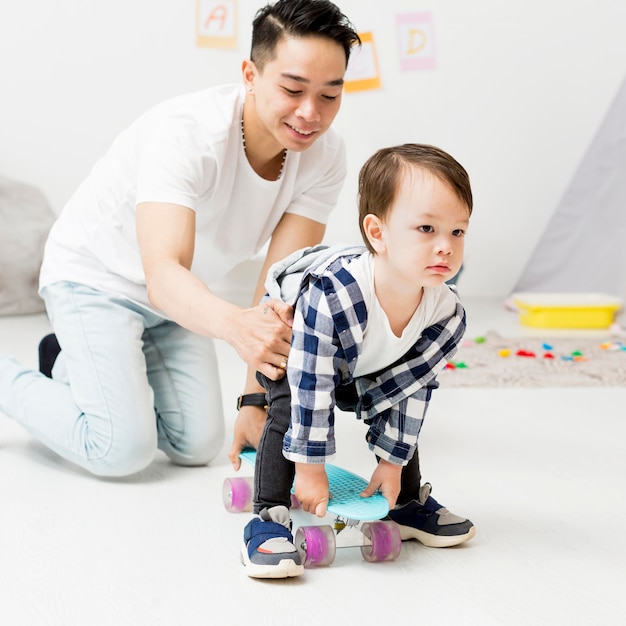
(299, 18)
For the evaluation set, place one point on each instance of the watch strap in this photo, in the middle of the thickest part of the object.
(252, 399)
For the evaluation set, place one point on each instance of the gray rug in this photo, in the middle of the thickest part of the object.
(495, 361)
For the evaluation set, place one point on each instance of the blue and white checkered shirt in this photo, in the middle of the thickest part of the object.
(330, 317)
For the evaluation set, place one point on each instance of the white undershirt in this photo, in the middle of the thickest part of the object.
(381, 347)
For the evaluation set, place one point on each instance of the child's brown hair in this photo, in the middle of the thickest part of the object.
(380, 177)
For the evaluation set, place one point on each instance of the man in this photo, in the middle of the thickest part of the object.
(193, 187)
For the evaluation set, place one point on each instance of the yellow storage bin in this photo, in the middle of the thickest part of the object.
(566, 310)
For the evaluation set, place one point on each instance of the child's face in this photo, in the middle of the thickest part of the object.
(298, 93)
(421, 243)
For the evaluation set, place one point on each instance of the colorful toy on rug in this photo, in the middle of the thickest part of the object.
(495, 361)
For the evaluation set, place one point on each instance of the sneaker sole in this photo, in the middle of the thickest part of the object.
(435, 541)
(286, 568)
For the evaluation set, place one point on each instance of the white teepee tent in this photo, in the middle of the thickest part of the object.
(583, 248)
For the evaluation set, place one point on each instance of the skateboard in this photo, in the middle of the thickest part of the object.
(358, 521)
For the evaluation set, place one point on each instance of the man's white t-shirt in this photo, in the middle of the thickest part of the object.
(186, 151)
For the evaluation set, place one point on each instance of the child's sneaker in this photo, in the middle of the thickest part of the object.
(430, 523)
(268, 550)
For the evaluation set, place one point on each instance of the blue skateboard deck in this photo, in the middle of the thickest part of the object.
(345, 488)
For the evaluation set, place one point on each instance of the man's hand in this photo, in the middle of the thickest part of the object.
(311, 488)
(247, 432)
(261, 336)
(386, 477)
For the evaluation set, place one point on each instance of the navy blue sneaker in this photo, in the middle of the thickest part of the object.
(268, 550)
(430, 523)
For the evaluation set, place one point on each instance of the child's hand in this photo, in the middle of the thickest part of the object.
(386, 477)
(311, 487)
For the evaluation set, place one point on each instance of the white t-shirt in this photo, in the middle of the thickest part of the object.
(186, 151)
(381, 347)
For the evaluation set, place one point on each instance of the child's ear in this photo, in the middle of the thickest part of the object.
(374, 229)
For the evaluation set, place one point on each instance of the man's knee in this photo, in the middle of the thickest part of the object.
(124, 458)
(198, 449)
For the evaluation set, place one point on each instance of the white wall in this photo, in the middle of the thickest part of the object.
(517, 96)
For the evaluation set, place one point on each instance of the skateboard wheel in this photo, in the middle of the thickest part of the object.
(316, 545)
(386, 541)
(237, 494)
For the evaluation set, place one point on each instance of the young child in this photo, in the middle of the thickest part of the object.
(373, 326)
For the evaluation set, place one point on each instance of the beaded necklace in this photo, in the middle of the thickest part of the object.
(243, 141)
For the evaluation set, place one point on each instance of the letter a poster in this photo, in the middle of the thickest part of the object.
(216, 24)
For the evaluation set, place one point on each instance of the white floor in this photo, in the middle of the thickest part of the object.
(540, 472)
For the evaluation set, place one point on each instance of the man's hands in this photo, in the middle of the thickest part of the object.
(261, 336)
(311, 488)
(386, 477)
(247, 432)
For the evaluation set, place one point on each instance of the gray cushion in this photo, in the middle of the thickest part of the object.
(25, 220)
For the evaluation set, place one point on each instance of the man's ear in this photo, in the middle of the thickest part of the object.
(374, 229)
(248, 73)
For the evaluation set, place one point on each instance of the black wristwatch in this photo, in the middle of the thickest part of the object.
(252, 399)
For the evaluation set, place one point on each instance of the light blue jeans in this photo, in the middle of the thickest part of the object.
(125, 382)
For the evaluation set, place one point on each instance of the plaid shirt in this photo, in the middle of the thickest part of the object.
(330, 317)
